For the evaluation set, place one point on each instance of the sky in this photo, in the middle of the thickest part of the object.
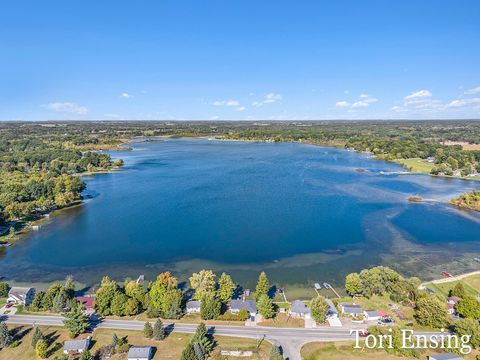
(239, 59)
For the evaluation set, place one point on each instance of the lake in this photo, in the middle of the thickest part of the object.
(302, 213)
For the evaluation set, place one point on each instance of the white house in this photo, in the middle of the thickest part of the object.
(444, 356)
(371, 315)
(21, 295)
(193, 307)
(140, 353)
(351, 309)
(452, 301)
(299, 310)
(73, 347)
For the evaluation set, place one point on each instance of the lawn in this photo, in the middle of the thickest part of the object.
(282, 320)
(345, 351)
(416, 165)
(470, 283)
(170, 348)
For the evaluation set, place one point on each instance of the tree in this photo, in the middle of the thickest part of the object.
(319, 308)
(6, 337)
(458, 291)
(47, 301)
(37, 302)
(210, 306)
(148, 330)
(59, 302)
(41, 349)
(86, 355)
(275, 353)
(188, 352)
(265, 307)
(167, 301)
(119, 301)
(353, 284)
(431, 311)
(76, 321)
(37, 335)
(158, 330)
(135, 291)
(469, 327)
(132, 307)
(104, 296)
(202, 338)
(115, 341)
(263, 286)
(202, 282)
(69, 287)
(226, 287)
(168, 280)
(468, 307)
(4, 289)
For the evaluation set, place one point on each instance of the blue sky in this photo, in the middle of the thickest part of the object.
(239, 59)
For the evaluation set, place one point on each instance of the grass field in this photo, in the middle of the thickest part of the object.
(345, 351)
(170, 348)
(470, 283)
(416, 165)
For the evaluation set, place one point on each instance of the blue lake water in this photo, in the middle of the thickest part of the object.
(303, 213)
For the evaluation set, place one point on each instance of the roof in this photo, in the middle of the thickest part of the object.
(250, 305)
(371, 313)
(331, 307)
(75, 345)
(453, 299)
(299, 307)
(445, 356)
(352, 309)
(193, 304)
(19, 291)
(139, 352)
(382, 313)
(86, 300)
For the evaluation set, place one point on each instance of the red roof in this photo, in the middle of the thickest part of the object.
(87, 301)
(382, 313)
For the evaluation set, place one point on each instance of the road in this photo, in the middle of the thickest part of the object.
(290, 339)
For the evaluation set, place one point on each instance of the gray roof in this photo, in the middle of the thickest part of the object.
(250, 305)
(371, 313)
(193, 304)
(445, 356)
(19, 291)
(331, 308)
(299, 307)
(352, 309)
(75, 345)
(142, 352)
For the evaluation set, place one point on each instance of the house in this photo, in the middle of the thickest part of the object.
(193, 307)
(87, 301)
(21, 295)
(371, 315)
(444, 356)
(332, 310)
(249, 305)
(452, 301)
(74, 347)
(351, 309)
(140, 353)
(299, 310)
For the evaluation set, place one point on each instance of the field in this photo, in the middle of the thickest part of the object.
(416, 165)
(470, 283)
(170, 348)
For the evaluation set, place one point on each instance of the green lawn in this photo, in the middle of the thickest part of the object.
(416, 165)
(470, 283)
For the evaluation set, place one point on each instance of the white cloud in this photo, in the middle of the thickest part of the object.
(342, 104)
(240, 108)
(422, 94)
(360, 104)
(126, 95)
(230, 102)
(475, 90)
(257, 104)
(271, 98)
(67, 107)
(216, 117)
(364, 96)
(463, 102)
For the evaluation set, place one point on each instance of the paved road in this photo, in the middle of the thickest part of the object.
(290, 339)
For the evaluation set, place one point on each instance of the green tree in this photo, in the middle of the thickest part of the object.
(135, 291)
(202, 282)
(468, 307)
(353, 284)
(469, 327)
(52, 292)
(37, 335)
(132, 307)
(275, 353)
(263, 286)
(226, 287)
(6, 337)
(41, 349)
(59, 302)
(148, 330)
(118, 304)
(69, 287)
(202, 338)
(4, 289)
(210, 306)
(104, 296)
(188, 352)
(319, 309)
(166, 300)
(86, 355)
(115, 341)
(76, 321)
(37, 302)
(458, 291)
(431, 311)
(158, 330)
(265, 307)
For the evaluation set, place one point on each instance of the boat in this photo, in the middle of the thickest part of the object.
(317, 286)
(327, 285)
(446, 274)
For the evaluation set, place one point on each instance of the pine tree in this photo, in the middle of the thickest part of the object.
(6, 337)
(158, 330)
(86, 355)
(226, 287)
(201, 337)
(41, 349)
(76, 321)
(37, 335)
(265, 307)
(114, 340)
(188, 353)
(59, 302)
(263, 286)
(148, 330)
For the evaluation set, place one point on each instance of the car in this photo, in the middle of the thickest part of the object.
(363, 333)
(8, 305)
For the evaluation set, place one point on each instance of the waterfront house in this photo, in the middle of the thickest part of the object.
(371, 315)
(87, 301)
(21, 295)
(249, 305)
(351, 309)
(75, 347)
(452, 301)
(140, 353)
(193, 307)
(332, 310)
(444, 356)
(299, 310)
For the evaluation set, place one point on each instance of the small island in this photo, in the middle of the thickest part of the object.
(469, 200)
(415, 198)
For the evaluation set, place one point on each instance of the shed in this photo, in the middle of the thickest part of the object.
(71, 347)
(140, 353)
